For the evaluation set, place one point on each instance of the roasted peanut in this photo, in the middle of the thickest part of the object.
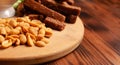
(37, 21)
(18, 28)
(29, 40)
(26, 19)
(46, 40)
(15, 36)
(14, 32)
(1, 38)
(6, 43)
(48, 32)
(31, 35)
(40, 44)
(34, 24)
(41, 31)
(2, 21)
(23, 31)
(13, 23)
(3, 31)
(40, 36)
(10, 37)
(2, 25)
(23, 38)
(34, 30)
(20, 19)
(8, 29)
(43, 26)
(25, 26)
(17, 42)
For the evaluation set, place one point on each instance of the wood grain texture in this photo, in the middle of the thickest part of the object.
(101, 43)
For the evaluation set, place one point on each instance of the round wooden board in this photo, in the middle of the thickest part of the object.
(61, 43)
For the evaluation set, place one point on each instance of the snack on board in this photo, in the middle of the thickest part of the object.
(56, 10)
(23, 31)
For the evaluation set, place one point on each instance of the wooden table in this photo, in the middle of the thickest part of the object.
(101, 43)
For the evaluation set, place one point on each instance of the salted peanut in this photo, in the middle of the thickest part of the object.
(2, 25)
(14, 32)
(41, 31)
(6, 43)
(25, 26)
(10, 37)
(37, 21)
(17, 42)
(43, 26)
(34, 24)
(34, 30)
(48, 32)
(23, 19)
(40, 44)
(27, 19)
(31, 35)
(18, 28)
(2, 21)
(1, 38)
(46, 40)
(22, 38)
(29, 41)
(15, 36)
(23, 31)
(3, 31)
(19, 19)
(13, 23)
(8, 29)
(40, 36)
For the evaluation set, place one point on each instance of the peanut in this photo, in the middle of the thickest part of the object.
(6, 43)
(34, 30)
(35, 24)
(39, 37)
(25, 26)
(23, 39)
(46, 40)
(29, 41)
(14, 32)
(3, 31)
(13, 23)
(23, 31)
(48, 32)
(40, 44)
(17, 42)
(8, 30)
(42, 32)
(1, 38)
(2, 25)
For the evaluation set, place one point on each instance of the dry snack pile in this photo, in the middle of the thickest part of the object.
(54, 13)
(31, 30)
(23, 31)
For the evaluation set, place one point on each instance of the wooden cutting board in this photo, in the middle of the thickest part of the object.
(61, 43)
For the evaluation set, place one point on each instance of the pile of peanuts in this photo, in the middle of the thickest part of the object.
(23, 31)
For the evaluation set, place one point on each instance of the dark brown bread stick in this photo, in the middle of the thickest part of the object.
(71, 19)
(54, 23)
(65, 9)
(44, 10)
